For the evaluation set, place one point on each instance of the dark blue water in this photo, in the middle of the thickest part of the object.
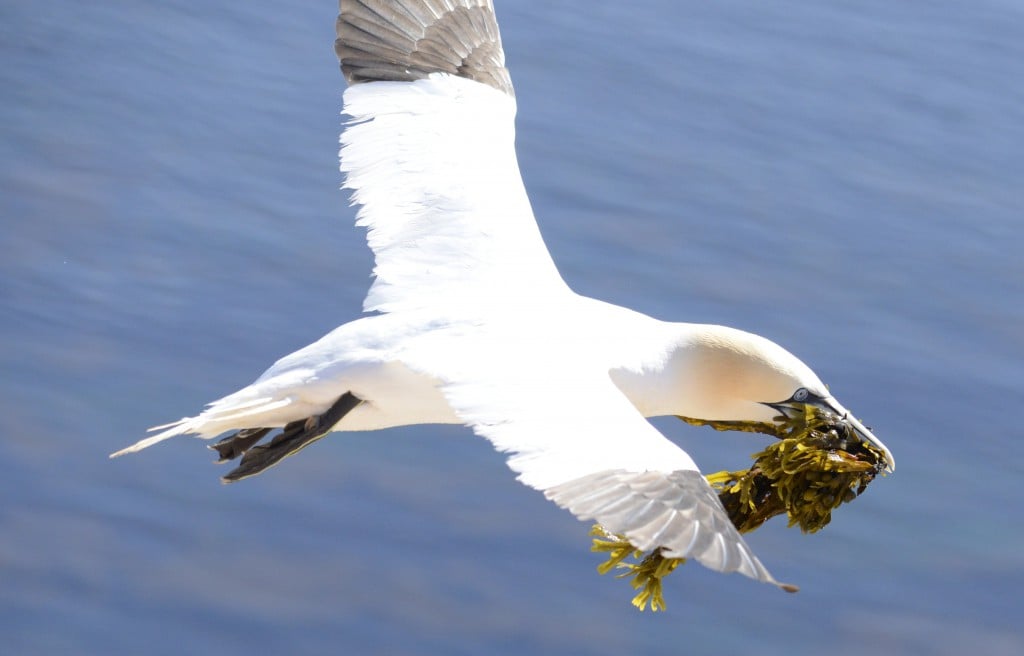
(843, 177)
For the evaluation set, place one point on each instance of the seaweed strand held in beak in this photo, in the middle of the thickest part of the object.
(814, 467)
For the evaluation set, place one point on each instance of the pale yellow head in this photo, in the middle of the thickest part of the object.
(732, 375)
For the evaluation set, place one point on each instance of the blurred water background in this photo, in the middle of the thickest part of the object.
(843, 177)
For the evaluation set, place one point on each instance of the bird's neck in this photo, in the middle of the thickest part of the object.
(653, 371)
(670, 375)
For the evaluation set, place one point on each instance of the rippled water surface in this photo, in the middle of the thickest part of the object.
(842, 177)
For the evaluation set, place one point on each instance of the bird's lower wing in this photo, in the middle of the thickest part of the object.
(578, 439)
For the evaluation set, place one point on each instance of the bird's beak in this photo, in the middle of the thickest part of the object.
(859, 429)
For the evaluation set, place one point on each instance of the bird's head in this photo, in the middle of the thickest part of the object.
(733, 375)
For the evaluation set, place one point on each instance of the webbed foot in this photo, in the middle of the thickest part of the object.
(293, 438)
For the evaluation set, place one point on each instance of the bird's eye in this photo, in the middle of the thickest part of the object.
(801, 395)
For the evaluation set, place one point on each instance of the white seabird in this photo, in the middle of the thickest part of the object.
(474, 325)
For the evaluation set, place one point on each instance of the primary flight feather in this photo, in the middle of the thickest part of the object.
(474, 324)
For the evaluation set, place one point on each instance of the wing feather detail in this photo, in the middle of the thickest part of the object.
(406, 40)
(675, 510)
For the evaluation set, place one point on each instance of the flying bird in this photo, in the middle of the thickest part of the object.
(469, 322)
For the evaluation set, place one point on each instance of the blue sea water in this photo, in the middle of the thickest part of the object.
(843, 177)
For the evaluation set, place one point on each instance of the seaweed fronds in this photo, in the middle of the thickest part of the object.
(646, 571)
(814, 468)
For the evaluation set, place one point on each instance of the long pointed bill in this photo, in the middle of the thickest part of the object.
(861, 430)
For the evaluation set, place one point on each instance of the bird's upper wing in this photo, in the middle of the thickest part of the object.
(429, 155)
(572, 434)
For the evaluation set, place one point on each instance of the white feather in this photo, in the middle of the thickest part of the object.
(432, 164)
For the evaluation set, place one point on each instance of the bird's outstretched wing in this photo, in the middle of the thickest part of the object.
(572, 434)
(429, 156)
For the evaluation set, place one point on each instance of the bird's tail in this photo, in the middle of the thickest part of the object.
(220, 416)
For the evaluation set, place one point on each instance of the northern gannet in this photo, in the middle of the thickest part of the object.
(472, 324)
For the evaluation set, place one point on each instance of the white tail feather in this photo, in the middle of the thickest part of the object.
(179, 427)
(218, 418)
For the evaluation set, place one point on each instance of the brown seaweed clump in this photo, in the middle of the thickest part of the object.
(816, 465)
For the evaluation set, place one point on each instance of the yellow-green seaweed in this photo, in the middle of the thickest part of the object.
(646, 573)
(814, 467)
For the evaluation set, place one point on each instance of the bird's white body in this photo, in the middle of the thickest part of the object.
(651, 362)
(476, 326)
